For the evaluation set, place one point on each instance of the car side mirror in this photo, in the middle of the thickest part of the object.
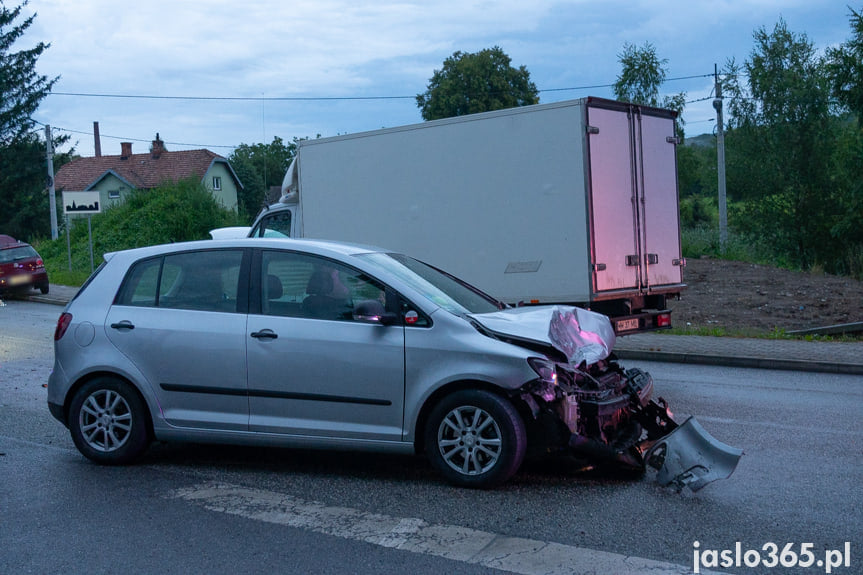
(372, 311)
(389, 318)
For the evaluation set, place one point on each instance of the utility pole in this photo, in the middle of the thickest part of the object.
(52, 201)
(720, 162)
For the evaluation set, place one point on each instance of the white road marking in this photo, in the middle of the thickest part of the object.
(514, 554)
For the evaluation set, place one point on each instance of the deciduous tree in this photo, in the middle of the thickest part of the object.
(479, 82)
(781, 148)
(845, 66)
(260, 166)
(641, 76)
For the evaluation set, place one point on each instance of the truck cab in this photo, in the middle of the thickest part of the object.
(282, 219)
(275, 221)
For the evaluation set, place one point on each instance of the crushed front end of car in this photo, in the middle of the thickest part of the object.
(584, 403)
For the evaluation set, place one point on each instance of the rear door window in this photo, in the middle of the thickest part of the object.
(204, 281)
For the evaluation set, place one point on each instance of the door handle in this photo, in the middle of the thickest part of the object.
(125, 324)
(265, 334)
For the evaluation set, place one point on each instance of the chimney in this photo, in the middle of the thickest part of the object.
(158, 147)
(125, 150)
(97, 141)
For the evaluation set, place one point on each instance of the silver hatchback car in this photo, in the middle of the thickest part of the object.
(327, 345)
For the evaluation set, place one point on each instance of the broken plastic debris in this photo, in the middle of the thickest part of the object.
(690, 457)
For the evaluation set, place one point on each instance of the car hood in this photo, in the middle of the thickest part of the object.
(580, 335)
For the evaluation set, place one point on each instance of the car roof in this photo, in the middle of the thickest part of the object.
(121, 260)
(9, 241)
(320, 247)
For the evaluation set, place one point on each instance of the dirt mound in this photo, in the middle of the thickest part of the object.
(748, 297)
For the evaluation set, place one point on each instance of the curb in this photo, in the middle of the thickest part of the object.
(741, 361)
(48, 299)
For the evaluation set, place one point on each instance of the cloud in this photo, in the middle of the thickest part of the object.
(335, 48)
(293, 47)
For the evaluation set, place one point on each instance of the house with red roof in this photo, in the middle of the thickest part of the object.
(114, 177)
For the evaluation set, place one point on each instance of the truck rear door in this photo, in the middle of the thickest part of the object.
(635, 231)
(612, 200)
(660, 214)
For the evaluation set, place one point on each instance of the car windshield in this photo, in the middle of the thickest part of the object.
(19, 253)
(441, 288)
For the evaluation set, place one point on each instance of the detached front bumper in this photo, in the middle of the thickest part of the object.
(690, 457)
(684, 455)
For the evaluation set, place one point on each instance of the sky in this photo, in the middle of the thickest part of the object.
(216, 74)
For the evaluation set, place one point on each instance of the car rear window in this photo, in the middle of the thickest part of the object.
(18, 253)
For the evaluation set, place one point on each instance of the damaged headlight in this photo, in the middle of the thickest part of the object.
(545, 369)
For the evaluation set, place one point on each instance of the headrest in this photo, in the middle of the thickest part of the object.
(274, 287)
(321, 283)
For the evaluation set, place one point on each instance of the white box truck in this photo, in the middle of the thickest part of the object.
(572, 202)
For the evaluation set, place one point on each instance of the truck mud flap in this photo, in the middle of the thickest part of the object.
(690, 457)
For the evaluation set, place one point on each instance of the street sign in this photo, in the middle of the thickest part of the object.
(81, 203)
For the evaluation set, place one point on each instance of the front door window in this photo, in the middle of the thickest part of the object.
(276, 225)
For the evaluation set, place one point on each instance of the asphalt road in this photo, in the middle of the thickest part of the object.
(204, 509)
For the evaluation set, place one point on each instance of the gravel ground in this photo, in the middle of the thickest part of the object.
(746, 297)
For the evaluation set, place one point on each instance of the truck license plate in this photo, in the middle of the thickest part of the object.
(627, 324)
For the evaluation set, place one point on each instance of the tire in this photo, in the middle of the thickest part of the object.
(43, 288)
(475, 438)
(108, 422)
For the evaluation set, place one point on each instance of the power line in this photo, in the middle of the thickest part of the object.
(286, 99)
(699, 100)
(124, 139)
(232, 98)
(313, 98)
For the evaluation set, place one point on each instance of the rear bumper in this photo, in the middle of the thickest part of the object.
(649, 320)
(58, 412)
(23, 281)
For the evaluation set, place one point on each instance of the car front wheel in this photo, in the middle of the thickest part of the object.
(107, 420)
(475, 438)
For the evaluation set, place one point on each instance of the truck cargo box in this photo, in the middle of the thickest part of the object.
(572, 202)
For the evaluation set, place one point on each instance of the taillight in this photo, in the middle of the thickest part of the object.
(62, 325)
(39, 263)
(663, 320)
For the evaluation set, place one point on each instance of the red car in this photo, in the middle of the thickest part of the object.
(21, 268)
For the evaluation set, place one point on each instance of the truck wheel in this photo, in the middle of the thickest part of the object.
(475, 438)
(108, 422)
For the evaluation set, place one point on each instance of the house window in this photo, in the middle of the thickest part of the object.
(217, 182)
(113, 194)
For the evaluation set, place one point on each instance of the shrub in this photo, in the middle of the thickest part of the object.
(173, 212)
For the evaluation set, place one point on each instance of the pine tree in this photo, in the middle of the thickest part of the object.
(21, 88)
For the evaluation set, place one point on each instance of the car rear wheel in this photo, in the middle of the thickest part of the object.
(108, 421)
(475, 438)
(43, 288)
